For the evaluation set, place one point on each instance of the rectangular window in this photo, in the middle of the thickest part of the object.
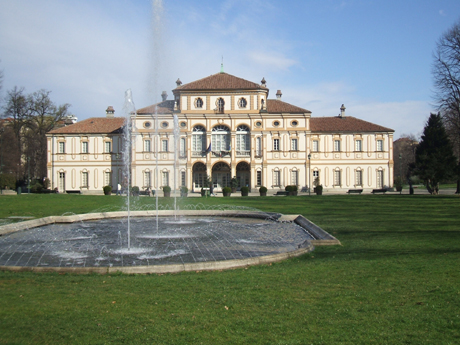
(147, 145)
(277, 178)
(107, 179)
(276, 144)
(165, 178)
(84, 179)
(337, 145)
(315, 146)
(337, 178)
(84, 147)
(61, 182)
(182, 153)
(61, 147)
(380, 179)
(259, 178)
(316, 173)
(147, 180)
(108, 147)
(359, 177)
(379, 145)
(164, 146)
(294, 178)
(294, 146)
(358, 145)
(182, 179)
(259, 146)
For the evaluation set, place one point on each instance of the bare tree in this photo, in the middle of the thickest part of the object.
(44, 117)
(17, 112)
(446, 73)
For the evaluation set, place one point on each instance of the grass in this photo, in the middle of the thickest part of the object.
(394, 280)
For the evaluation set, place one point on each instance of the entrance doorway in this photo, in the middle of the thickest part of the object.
(243, 174)
(199, 176)
(220, 176)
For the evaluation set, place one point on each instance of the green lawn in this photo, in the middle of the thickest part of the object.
(394, 280)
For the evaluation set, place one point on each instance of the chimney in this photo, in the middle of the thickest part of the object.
(110, 112)
(263, 82)
(279, 94)
(342, 111)
(164, 96)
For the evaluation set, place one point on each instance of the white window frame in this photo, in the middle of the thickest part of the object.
(379, 145)
(84, 179)
(337, 144)
(315, 146)
(220, 138)
(337, 178)
(147, 145)
(358, 177)
(147, 179)
(276, 178)
(294, 178)
(258, 178)
(107, 178)
(358, 145)
(164, 145)
(84, 147)
(294, 144)
(164, 178)
(276, 144)
(107, 147)
(61, 147)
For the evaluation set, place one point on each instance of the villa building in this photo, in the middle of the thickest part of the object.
(227, 127)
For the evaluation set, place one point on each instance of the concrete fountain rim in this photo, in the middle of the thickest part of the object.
(321, 238)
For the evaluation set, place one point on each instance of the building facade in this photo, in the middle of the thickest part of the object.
(221, 127)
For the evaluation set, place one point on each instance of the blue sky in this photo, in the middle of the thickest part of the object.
(373, 56)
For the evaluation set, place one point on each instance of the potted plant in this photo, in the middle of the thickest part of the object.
(107, 190)
(183, 191)
(244, 191)
(291, 189)
(135, 191)
(263, 191)
(234, 184)
(319, 190)
(167, 191)
(315, 184)
(227, 191)
(399, 184)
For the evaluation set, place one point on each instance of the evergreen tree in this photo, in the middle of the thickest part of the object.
(434, 158)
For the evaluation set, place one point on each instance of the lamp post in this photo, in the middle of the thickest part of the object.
(400, 179)
(309, 177)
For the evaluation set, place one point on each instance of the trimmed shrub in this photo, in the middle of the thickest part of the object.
(263, 189)
(244, 191)
(166, 189)
(107, 190)
(227, 191)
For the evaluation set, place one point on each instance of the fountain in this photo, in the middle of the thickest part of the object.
(152, 240)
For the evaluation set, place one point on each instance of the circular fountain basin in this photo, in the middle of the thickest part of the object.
(189, 240)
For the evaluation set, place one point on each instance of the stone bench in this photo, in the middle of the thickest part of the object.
(282, 192)
(379, 191)
(73, 191)
(354, 191)
(146, 192)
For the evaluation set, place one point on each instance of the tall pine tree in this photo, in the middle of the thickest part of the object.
(434, 158)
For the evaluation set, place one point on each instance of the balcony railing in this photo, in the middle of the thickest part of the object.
(243, 153)
(221, 153)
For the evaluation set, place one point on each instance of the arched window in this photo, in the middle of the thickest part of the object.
(198, 140)
(243, 146)
(242, 102)
(199, 103)
(220, 138)
(220, 105)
